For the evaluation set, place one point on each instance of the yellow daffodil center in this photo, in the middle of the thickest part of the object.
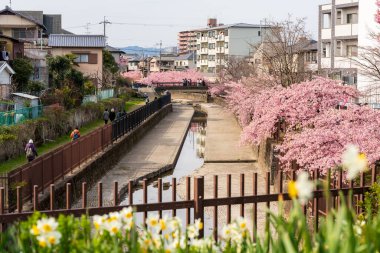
(114, 230)
(200, 225)
(243, 225)
(42, 244)
(167, 250)
(46, 228)
(110, 219)
(292, 190)
(362, 157)
(153, 222)
(97, 225)
(52, 240)
(35, 230)
(167, 237)
(128, 215)
(162, 224)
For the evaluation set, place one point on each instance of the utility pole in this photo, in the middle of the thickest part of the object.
(160, 55)
(105, 23)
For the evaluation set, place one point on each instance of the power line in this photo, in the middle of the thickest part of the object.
(134, 24)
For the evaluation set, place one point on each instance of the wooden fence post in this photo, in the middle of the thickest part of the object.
(198, 201)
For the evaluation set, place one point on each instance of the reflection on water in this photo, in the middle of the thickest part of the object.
(190, 159)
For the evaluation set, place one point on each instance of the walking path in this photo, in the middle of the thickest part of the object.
(157, 151)
(225, 155)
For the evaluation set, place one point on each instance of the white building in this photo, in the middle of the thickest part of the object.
(345, 27)
(338, 40)
(216, 44)
(6, 73)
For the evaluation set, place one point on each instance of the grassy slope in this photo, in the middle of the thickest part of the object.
(48, 146)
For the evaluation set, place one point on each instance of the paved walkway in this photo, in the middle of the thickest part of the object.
(158, 149)
(224, 155)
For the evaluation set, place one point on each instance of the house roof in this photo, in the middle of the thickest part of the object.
(23, 95)
(236, 25)
(5, 66)
(114, 50)
(188, 56)
(8, 10)
(10, 38)
(71, 40)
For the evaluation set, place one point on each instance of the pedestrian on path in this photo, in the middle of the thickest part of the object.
(75, 134)
(30, 151)
(106, 116)
(123, 114)
(112, 115)
(147, 100)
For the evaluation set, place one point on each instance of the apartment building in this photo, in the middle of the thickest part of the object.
(338, 40)
(216, 44)
(345, 27)
(187, 42)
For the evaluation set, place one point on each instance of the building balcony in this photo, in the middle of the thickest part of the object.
(204, 50)
(204, 39)
(326, 34)
(339, 2)
(346, 30)
(220, 49)
(220, 38)
(204, 62)
(326, 7)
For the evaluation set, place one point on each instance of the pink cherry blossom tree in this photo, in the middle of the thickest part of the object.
(134, 75)
(172, 77)
(321, 143)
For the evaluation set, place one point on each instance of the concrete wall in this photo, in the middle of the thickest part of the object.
(96, 168)
(241, 39)
(190, 95)
(5, 77)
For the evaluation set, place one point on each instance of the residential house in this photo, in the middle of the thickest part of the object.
(6, 73)
(133, 63)
(217, 43)
(162, 63)
(87, 48)
(119, 56)
(185, 61)
(10, 48)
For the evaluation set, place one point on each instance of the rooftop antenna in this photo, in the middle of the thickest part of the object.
(88, 28)
(10, 3)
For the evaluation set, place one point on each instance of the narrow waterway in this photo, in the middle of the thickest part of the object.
(190, 159)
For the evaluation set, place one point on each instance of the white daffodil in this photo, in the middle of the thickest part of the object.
(242, 223)
(163, 224)
(49, 239)
(354, 161)
(114, 216)
(128, 225)
(192, 231)
(126, 214)
(175, 223)
(226, 232)
(302, 188)
(99, 221)
(198, 224)
(153, 221)
(47, 225)
(113, 226)
(34, 230)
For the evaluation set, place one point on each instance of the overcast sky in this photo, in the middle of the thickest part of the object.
(146, 22)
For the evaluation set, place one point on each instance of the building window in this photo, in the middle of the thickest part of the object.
(81, 58)
(211, 57)
(326, 50)
(352, 50)
(211, 46)
(326, 20)
(211, 70)
(352, 18)
(257, 61)
(338, 17)
(259, 33)
(338, 51)
(226, 44)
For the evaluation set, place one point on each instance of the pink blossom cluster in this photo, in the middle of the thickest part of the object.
(377, 16)
(317, 131)
(172, 77)
(134, 75)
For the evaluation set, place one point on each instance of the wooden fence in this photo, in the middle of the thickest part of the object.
(195, 206)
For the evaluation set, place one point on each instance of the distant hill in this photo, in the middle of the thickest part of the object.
(147, 51)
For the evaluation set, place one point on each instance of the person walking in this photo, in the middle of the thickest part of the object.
(147, 100)
(112, 115)
(124, 113)
(106, 116)
(118, 114)
(75, 134)
(30, 151)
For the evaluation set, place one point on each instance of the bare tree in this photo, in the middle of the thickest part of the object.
(236, 69)
(280, 53)
(368, 59)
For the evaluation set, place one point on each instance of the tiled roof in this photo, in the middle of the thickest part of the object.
(70, 40)
(9, 10)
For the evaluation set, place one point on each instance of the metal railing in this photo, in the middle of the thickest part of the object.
(50, 167)
(195, 207)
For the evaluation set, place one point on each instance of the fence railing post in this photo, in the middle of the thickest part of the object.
(2, 205)
(198, 201)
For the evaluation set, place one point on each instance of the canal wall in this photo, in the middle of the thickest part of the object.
(91, 171)
(196, 96)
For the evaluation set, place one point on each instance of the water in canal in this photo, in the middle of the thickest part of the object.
(190, 159)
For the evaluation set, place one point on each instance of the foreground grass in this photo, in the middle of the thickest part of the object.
(134, 103)
(48, 146)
